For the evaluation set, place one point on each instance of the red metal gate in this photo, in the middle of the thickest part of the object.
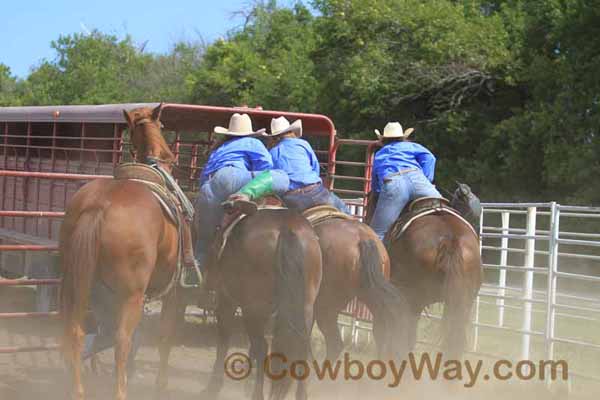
(33, 247)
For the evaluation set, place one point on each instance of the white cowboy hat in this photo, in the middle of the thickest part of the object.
(281, 125)
(394, 130)
(239, 125)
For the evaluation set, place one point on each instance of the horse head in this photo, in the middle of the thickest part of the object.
(149, 146)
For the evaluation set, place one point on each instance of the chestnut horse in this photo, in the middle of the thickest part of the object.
(271, 263)
(356, 264)
(115, 234)
(435, 260)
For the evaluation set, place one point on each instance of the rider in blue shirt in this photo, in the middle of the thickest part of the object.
(297, 159)
(402, 171)
(232, 164)
(244, 153)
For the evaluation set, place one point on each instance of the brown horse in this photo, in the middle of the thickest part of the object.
(356, 264)
(115, 234)
(271, 263)
(435, 260)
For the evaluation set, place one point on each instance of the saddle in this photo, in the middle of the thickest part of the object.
(171, 198)
(162, 185)
(231, 220)
(419, 208)
(319, 214)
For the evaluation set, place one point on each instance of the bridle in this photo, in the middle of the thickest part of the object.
(147, 120)
(150, 159)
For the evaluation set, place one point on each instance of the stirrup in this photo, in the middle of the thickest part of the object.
(191, 277)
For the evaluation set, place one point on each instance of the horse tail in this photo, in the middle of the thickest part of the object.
(290, 333)
(385, 301)
(458, 293)
(79, 259)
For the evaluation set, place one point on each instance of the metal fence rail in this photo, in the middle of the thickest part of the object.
(539, 259)
(33, 248)
(526, 257)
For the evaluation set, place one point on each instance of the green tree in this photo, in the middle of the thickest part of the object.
(505, 92)
(551, 144)
(266, 63)
(405, 57)
(100, 69)
(442, 66)
(170, 77)
(9, 94)
(89, 69)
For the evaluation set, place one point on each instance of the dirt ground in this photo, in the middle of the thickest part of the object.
(37, 376)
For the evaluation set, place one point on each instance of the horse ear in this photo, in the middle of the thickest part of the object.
(156, 112)
(128, 118)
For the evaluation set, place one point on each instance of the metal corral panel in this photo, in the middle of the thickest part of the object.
(107, 113)
(173, 116)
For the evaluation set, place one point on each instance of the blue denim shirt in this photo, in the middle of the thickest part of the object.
(397, 156)
(298, 160)
(247, 153)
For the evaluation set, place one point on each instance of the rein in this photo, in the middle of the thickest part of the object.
(155, 160)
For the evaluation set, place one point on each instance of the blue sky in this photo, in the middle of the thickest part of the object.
(28, 26)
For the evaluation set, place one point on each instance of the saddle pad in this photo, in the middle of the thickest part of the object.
(139, 172)
(172, 200)
(167, 200)
(427, 207)
(230, 222)
(319, 214)
(170, 205)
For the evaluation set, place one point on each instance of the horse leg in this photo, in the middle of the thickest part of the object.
(168, 321)
(386, 333)
(389, 306)
(296, 287)
(326, 317)
(459, 289)
(255, 322)
(74, 347)
(456, 318)
(129, 318)
(224, 313)
(301, 393)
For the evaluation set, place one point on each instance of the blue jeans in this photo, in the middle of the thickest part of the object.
(223, 183)
(396, 193)
(314, 196)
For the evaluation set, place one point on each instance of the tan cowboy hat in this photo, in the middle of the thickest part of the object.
(394, 130)
(281, 125)
(239, 125)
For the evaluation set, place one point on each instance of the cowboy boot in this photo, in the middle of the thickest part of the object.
(189, 261)
(244, 199)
